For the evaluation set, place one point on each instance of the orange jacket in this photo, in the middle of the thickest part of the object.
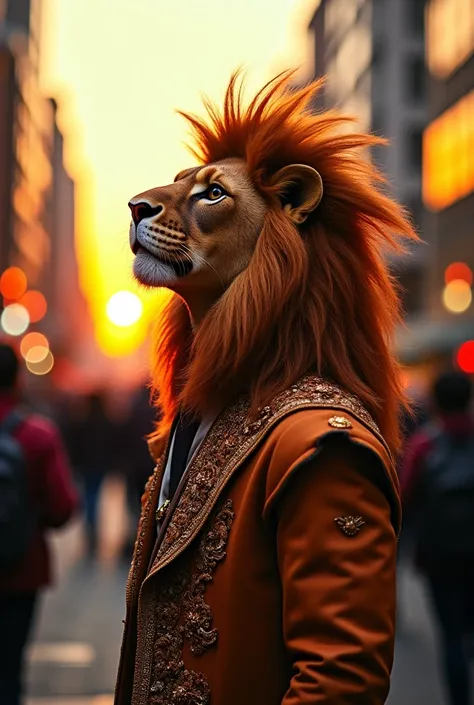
(262, 590)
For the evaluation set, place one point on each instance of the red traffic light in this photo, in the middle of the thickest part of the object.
(458, 270)
(465, 357)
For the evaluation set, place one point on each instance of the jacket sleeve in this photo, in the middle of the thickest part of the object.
(338, 590)
(59, 496)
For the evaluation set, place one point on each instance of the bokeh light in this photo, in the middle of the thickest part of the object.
(33, 340)
(458, 270)
(13, 283)
(457, 296)
(41, 367)
(465, 357)
(37, 354)
(124, 309)
(35, 304)
(15, 319)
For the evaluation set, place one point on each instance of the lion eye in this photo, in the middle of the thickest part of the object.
(214, 192)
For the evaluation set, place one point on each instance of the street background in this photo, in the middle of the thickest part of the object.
(88, 90)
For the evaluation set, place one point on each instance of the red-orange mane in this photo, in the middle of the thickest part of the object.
(317, 297)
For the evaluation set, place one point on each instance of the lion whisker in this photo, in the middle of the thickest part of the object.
(190, 254)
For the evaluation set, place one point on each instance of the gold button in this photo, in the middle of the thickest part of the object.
(339, 422)
(161, 512)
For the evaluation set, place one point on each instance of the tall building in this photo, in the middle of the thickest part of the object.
(61, 287)
(25, 143)
(342, 33)
(69, 327)
(37, 194)
(448, 170)
(372, 55)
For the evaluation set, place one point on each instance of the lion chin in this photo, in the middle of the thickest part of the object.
(150, 270)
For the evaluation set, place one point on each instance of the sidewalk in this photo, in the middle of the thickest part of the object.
(416, 676)
(73, 659)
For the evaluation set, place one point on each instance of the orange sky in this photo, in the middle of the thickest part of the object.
(122, 67)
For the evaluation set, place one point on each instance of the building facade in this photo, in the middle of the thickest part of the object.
(69, 327)
(37, 195)
(372, 55)
(448, 169)
(25, 143)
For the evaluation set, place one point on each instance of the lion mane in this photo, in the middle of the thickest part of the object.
(317, 297)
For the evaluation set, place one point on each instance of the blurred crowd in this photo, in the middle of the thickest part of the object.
(52, 469)
(103, 439)
(437, 491)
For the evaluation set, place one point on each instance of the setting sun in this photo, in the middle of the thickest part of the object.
(124, 309)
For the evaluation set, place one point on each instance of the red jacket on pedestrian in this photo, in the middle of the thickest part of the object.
(52, 496)
(418, 450)
(420, 446)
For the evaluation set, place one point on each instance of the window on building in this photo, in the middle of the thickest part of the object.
(18, 12)
(353, 58)
(415, 79)
(449, 141)
(449, 35)
(378, 53)
(414, 149)
(416, 17)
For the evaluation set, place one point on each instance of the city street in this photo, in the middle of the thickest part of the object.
(332, 271)
(416, 679)
(73, 660)
(78, 640)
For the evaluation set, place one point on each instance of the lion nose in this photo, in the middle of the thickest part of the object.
(143, 210)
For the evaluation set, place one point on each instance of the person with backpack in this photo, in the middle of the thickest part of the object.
(36, 494)
(437, 485)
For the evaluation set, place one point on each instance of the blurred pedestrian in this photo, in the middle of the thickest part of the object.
(137, 462)
(92, 438)
(37, 494)
(410, 422)
(437, 481)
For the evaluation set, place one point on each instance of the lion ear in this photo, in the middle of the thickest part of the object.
(300, 189)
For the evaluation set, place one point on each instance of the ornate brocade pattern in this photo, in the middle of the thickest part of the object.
(198, 617)
(232, 437)
(182, 615)
(173, 611)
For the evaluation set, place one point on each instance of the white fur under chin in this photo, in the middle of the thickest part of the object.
(150, 272)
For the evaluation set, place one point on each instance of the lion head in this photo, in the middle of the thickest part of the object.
(273, 247)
